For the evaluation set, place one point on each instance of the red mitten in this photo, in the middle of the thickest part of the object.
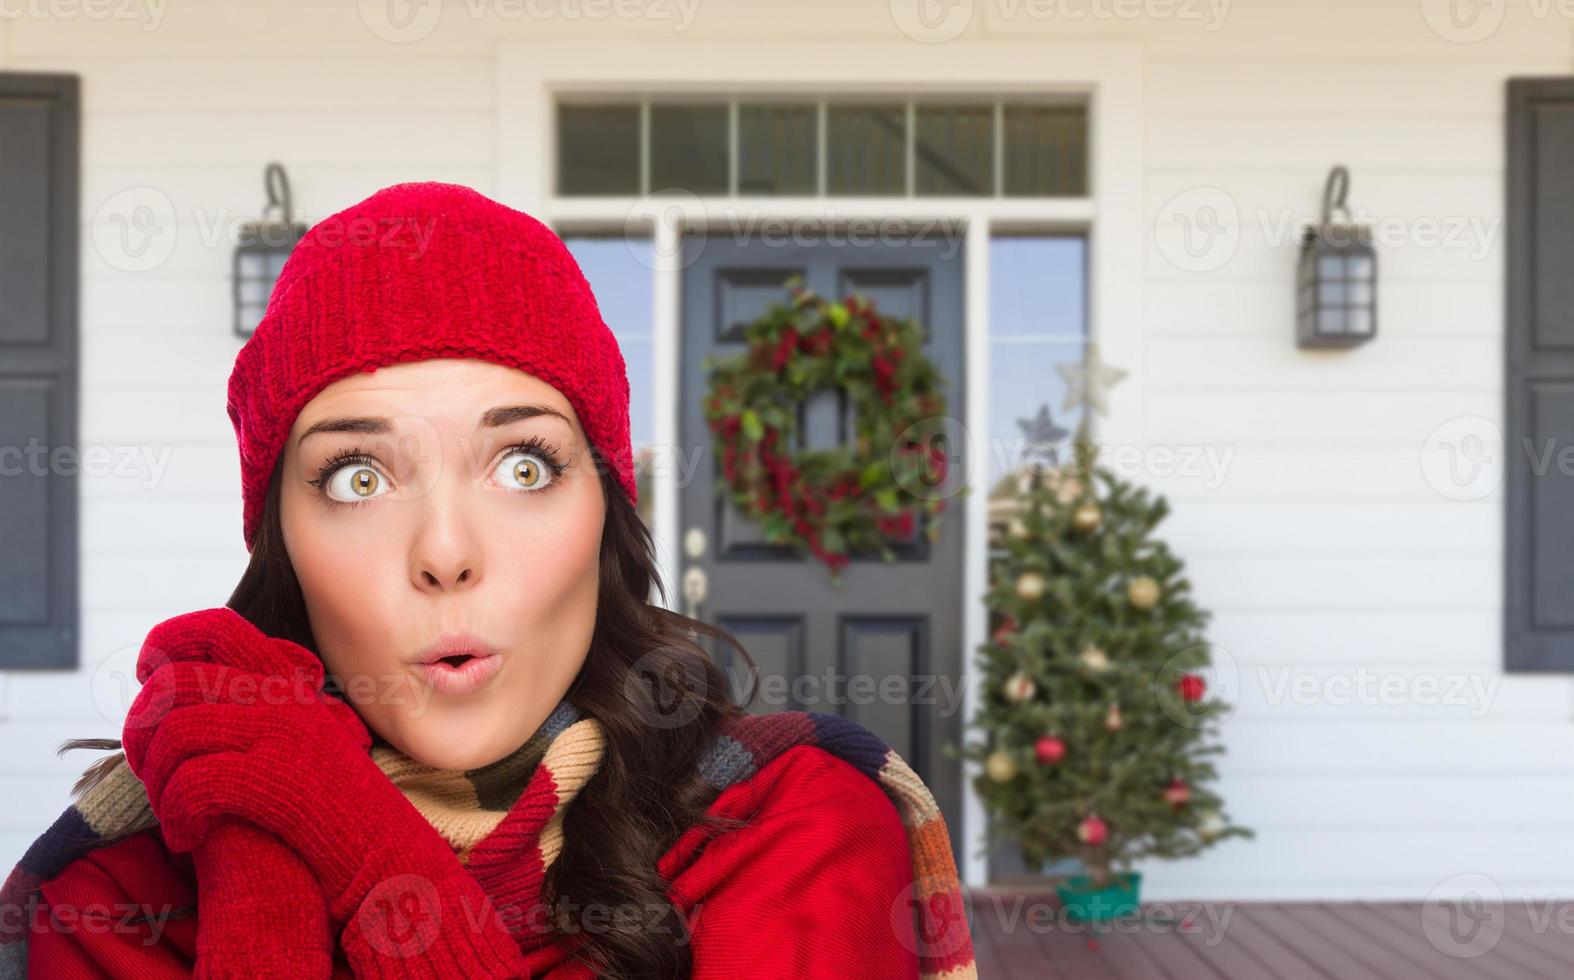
(231, 722)
(260, 915)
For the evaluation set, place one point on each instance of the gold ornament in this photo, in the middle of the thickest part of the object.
(1019, 687)
(1143, 592)
(1016, 528)
(1211, 825)
(1086, 518)
(1000, 767)
(1094, 659)
(1030, 586)
(1113, 721)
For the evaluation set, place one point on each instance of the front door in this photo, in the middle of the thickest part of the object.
(884, 650)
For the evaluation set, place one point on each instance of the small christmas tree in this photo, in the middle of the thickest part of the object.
(1096, 706)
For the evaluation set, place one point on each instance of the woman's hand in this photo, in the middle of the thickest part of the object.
(231, 722)
(219, 699)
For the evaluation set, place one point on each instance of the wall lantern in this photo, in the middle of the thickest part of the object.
(260, 251)
(1336, 283)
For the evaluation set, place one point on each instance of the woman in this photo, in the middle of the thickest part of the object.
(439, 730)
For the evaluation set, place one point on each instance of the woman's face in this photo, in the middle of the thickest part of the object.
(444, 497)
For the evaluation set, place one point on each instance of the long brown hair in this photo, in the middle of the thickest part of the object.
(645, 663)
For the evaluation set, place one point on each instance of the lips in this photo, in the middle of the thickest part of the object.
(460, 674)
(458, 663)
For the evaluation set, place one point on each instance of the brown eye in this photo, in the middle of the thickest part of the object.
(526, 471)
(353, 483)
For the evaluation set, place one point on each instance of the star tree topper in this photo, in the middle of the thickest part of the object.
(1042, 434)
(1088, 382)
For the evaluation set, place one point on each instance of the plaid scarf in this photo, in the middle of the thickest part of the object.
(475, 810)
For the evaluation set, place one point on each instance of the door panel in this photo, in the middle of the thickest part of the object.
(885, 649)
(39, 343)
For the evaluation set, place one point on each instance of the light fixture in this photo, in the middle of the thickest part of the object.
(1336, 282)
(260, 251)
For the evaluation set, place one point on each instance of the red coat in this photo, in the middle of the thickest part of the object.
(813, 887)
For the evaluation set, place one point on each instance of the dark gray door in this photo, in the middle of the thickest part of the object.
(885, 648)
(1539, 387)
(38, 371)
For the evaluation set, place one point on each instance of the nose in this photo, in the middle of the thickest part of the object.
(440, 580)
(446, 556)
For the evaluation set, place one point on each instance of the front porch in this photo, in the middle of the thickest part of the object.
(1022, 936)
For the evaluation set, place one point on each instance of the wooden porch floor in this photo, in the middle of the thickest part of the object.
(1022, 936)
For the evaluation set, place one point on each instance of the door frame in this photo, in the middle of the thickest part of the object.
(532, 73)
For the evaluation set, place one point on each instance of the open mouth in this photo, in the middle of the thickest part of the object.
(460, 673)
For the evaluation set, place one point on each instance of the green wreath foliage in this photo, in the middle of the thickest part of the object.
(857, 497)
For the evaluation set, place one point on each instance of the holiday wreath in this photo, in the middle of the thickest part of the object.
(856, 497)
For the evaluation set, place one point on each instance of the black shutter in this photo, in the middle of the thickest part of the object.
(39, 120)
(1539, 384)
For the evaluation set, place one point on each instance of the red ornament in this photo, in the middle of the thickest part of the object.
(1177, 793)
(1049, 750)
(1191, 688)
(1092, 831)
(1006, 630)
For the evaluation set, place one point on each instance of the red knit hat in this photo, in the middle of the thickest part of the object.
(419, 271)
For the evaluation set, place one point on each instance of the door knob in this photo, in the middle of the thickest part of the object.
(695, 585)
(694, 542)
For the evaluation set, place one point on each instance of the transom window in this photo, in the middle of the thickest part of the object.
(842, 147)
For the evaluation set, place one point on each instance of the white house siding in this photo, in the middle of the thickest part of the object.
(1323, 551)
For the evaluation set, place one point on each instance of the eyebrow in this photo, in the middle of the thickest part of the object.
(492, 418)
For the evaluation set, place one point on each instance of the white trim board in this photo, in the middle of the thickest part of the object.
(530, 74)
